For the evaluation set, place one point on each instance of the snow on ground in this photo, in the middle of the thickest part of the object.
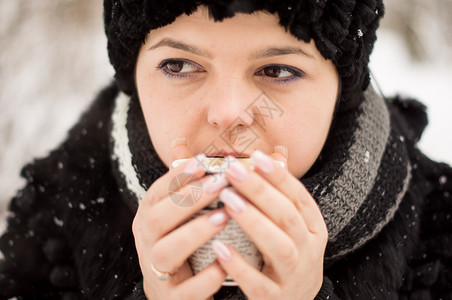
(53, 60)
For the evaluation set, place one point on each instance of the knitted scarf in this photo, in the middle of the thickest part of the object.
(358, 180)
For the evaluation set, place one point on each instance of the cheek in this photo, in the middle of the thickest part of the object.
(165, 115)
(157, 128)
(166, 122)
(305, 143)
(158, 118)
(309, 125)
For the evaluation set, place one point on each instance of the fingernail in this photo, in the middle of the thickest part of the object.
(221, 250)
(195, 164)
(237, 170)
(178, 141)
(282, 150)
(215, 183)
(261, 160)
(232, 200)
(218, 218)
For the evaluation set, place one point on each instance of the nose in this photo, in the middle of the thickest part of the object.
(230, 103)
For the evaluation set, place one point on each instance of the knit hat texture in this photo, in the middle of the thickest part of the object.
(344, 31)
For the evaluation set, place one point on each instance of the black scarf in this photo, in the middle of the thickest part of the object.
(358, 181)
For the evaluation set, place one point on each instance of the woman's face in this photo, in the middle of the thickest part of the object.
(235, 86)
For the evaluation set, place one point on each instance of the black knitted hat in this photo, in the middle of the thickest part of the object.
(343, 31)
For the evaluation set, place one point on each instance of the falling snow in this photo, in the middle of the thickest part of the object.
(92, 161)
(360, 33)
(58, 222)
(366, 157)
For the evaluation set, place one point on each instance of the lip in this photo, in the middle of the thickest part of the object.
(229, 153)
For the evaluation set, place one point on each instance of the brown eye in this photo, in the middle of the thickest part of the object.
(178, 67)
(272, 71)
(175, 66)
(280, 73)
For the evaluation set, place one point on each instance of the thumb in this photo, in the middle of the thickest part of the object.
(280, 153)
(179, 149)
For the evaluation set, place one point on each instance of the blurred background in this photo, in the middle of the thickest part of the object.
(53, 60)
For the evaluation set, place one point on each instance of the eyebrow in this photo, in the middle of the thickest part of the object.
(258, 55)
(281, 51)
(181, 46)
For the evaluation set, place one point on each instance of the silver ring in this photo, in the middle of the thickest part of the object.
(163, 276)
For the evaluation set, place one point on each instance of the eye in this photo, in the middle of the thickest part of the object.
(280, 73)
(178, 67)
(276, 72)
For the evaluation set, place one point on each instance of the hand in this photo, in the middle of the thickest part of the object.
(163, 240)
(277, 212)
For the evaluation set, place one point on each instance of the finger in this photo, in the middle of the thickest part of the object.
(151, 224)
(164, 216)
(182, 274)
(280, 153)
(270, 201)
(251, 281)
(179, 149)
(276, 245)
(203, 285)
(172, 250)
(176, 178)
(288, 185)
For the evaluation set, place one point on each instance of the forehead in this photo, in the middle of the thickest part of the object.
(244, 21)
(256, 35)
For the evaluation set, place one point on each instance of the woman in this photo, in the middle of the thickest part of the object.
(352, 209)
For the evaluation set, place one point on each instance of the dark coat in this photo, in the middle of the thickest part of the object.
(69, 232)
